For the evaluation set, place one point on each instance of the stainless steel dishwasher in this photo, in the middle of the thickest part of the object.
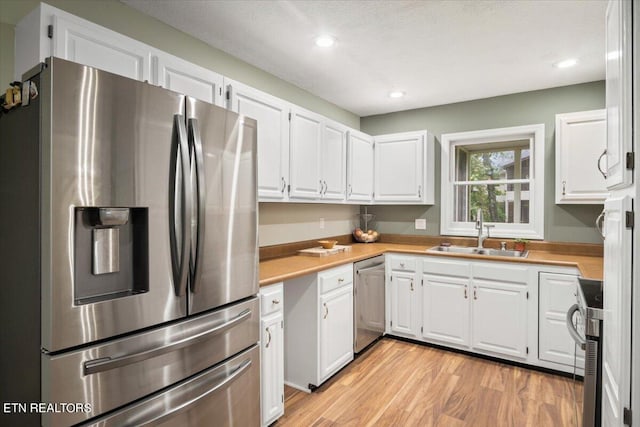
(368, 302)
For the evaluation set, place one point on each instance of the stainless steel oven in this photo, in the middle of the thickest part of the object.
(588, 336)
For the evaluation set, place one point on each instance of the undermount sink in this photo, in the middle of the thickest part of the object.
(479, 251)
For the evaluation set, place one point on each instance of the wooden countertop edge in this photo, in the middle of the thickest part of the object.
(588, 266)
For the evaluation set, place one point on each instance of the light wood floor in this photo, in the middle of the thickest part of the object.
(396, 383)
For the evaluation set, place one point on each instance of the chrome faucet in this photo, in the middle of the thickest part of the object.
(479, 226)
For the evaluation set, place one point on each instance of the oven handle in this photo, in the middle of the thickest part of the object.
(572, 329)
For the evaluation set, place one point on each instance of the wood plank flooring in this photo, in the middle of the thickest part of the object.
(396, 383)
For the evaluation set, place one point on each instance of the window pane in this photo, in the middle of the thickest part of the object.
(498, 203)
(491, 164)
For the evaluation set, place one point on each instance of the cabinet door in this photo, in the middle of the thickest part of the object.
(306, 139)
(178, 75)
(398, 167)
(499, 317)
(405, 304)
(272, 367)
(445, 309)
(334, 161)
(618, 93)
(580, 140)
(272, 115)
(98, 47)
(360, 167)
(336, 330)
(616, 351)
(557, 292)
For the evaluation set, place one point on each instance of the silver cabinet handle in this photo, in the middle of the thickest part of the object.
(350, 189)
(340, 280)
(326, 310)
(284, 184)
(604, 153)
(572, 329)
(412, 285)
(269, 340)
(108, 363)
(419, 191)
(275, 301)
(475, 292)
(325, 187)
(600, 222)
(564, 188)
(465, 291)
(320, 191)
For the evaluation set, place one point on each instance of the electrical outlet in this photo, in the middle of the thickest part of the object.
(321, 223)
(421, 224)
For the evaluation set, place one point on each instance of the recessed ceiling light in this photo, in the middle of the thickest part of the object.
(325, 41)
(566, 63)
(396, 94)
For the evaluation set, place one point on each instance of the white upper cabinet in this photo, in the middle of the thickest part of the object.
(619, 94)
(48, 31)
(580, 140)
(404, 168)
(334, 161)
(178, 75)
(272, 115)
(359, 167)
(306, 140)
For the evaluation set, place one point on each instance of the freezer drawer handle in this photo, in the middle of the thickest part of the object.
(155, 419)
(572, 329)
(107, 363)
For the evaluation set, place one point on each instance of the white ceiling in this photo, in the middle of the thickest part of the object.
(438, 52)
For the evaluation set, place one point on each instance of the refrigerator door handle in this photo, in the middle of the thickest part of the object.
(179, 197)
(107, 363)
(196, 143)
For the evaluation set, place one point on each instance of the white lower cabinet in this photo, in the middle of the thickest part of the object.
(557, 293)
(484, 307)
(318, 330)
(271, 353)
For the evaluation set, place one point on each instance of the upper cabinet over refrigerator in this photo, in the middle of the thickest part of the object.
(619, 152)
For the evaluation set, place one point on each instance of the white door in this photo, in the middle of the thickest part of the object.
(398, 167)
(336, 330)
(405, 304)
(580, 140)
(616, 351)
(445, 309)
(334, 161)
(360, 167)
(100, 48)
(272, 115)
(178, 75)
(306, 140)
(499, 318)
(557, 293)
(272, 367)
(618, 93)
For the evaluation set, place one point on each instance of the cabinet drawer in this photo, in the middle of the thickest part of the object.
(271, 299)
(335, 278)
(403, 263)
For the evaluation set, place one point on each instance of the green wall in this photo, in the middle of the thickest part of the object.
(130, 22)
(567, 223)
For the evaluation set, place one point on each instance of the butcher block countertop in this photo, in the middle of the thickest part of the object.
(289, 267)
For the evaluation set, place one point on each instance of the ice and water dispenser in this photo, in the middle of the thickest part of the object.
(111, 253)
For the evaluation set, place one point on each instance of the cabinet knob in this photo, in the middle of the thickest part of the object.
(412, 285)
(275, 301)
(326, 310)
(340, 280)
(465, 291)
(475, 292)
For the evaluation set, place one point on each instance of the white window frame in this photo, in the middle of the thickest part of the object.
(449, 141)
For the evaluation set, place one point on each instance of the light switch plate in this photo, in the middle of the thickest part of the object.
(421, 224)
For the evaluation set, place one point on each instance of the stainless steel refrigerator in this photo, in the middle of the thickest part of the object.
(129, 258)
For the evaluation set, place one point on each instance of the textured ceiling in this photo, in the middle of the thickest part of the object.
(438, 52)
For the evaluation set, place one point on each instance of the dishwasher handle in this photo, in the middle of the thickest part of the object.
(373, 267)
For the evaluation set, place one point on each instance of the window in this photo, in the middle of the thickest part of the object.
(499, 171)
